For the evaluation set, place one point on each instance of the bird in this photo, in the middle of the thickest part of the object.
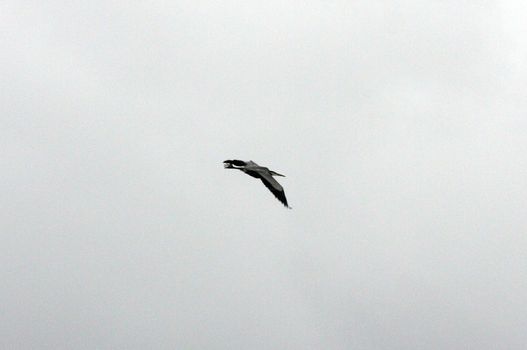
(262, 173)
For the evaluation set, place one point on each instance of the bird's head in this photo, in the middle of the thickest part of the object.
(233, 164)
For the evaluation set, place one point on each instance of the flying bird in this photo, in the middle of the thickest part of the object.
(262, 173)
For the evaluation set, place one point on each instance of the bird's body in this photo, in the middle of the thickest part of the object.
(262, 173)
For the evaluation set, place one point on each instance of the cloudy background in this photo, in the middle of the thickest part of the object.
(401, 127)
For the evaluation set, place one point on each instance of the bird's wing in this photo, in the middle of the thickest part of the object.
(274, 187)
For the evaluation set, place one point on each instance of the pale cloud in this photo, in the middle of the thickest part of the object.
(401, 129)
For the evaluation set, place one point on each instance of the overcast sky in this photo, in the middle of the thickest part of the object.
(401, 127)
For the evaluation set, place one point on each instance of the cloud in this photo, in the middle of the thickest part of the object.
(400, 128)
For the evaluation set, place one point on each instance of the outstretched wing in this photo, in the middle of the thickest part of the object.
(274, 187)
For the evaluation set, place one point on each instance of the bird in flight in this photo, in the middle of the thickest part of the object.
(262, 173)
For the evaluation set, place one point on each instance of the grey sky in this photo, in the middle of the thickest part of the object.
(401, 127)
